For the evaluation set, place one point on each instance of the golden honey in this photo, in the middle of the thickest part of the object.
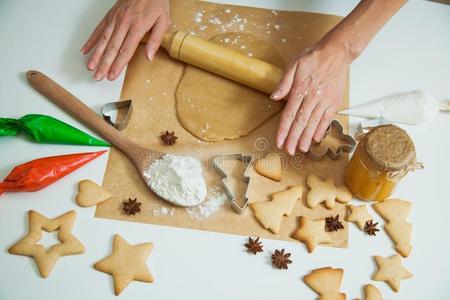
(382, 158)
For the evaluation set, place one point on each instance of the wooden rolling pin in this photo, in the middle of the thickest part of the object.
(222, 61)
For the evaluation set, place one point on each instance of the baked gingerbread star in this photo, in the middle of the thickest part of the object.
(46, 259)
(358, 215)
(312, 233)
(126, 263)
(391, 271)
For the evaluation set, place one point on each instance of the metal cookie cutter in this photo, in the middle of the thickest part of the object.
(248, 159)
(333, 144)
(115, 106)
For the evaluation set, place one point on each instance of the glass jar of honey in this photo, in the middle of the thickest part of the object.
(382, 158)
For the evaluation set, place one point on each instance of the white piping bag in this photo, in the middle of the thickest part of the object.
(410, 108)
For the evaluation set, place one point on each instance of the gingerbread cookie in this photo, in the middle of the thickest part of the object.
(46, 259)
(358, 215)
(126, 263)
(372, 293)
(270, 166)
(312, 233)
(90, 193)
(391, 271)
(270, 213)
(395, 212)
(326, 282)
(325, 191)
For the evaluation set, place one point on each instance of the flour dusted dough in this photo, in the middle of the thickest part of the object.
(214, 108)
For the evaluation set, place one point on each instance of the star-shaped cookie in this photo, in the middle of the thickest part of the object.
(46, 259)
(312, 233)
(358, 215)
(391, 271)
(126, 263)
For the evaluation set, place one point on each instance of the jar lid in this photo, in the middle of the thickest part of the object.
(390, 148)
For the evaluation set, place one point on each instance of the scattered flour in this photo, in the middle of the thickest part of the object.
(209, 207)
(224, 22)
(178, 179)
(163, 211)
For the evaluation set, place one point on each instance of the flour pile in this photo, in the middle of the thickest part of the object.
(178, 179)
(208, 208)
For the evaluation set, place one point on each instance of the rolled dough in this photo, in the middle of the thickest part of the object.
(214, 108)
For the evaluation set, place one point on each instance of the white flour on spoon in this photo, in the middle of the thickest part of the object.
(178, 179)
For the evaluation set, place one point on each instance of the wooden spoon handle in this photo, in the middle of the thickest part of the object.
(72, 105)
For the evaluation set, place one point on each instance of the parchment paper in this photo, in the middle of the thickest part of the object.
(152, 87)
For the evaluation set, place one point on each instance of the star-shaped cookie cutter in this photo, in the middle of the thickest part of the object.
(333, 144)
(247, 159)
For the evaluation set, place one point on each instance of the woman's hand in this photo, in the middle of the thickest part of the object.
(117, 36)
(313, 85)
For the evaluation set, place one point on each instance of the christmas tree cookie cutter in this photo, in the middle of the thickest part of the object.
(121, 123)
(333, 144)
(217, 164)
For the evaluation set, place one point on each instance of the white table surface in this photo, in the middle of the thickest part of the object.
(411, 52)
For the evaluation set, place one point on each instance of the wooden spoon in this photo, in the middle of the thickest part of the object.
(141, 157)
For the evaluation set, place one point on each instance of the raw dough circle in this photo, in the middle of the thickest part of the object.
(214, 108)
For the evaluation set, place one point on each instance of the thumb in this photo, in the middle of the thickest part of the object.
(285, 85)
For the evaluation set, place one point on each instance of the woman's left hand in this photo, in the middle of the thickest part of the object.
(313, 85)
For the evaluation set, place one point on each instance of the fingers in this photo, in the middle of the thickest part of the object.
(95, 35)
(324, 123)
(100, 47)
(156, 36)
(299, 124)
(285, 84)
(311, 128)
(112, 49)
(289, 114)
(131, 42)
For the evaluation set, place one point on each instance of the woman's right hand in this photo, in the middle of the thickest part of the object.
(117, 36)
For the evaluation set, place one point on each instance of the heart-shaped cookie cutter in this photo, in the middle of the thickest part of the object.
(115, 106)
(247, 159)
(334, 135)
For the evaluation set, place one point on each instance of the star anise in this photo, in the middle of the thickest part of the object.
(254, 245)
(280, 260)
(333, 224)
(169, 138)
(371, 228)
(132, 206)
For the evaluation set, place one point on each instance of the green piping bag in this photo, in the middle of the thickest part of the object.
(46, 129)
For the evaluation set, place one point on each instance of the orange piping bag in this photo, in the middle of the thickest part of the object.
(40, 173)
